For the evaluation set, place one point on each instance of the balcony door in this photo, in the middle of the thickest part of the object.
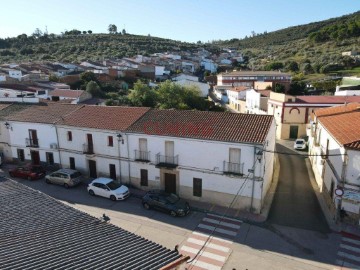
(143, 152)
(234, 159)
(169, 152)
(90, 143)
(33, 137)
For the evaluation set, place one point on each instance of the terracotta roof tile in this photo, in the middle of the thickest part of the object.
(337, 109)
(48, 113)
(239, 88)
(327, 99)
(104, 117)
(231, 127)
(344, 127)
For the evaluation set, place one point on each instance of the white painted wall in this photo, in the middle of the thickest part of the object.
(159, 70)
(16, 74)
(203, 87)
(46, 134)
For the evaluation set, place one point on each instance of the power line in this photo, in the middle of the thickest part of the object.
(307, 155)
(221, 217)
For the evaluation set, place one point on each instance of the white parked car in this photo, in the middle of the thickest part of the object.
(300, 144)
(108, 188)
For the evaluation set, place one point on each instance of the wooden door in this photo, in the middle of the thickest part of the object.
(170, 183)
(72, 163)
(112, 170)
(144, 177)
(35, 157)
(92, 169)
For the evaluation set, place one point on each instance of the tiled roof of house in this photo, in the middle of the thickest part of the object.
(219, 126)
(327, 99)
(239, 88)
(104, 117)
(264, 93)
(342, 123)
(66, 93)
(48, 113)
(337, 109)
(39, 232)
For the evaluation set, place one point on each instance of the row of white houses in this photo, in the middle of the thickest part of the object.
(205, 156)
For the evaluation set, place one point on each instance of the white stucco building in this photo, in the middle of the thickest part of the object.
(257, 101)
(334, 147)
(205, 156)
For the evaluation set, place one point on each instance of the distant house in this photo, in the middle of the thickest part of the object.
(349, 53)
(237, 98)
(77, 96)
(334, 148)
(189, 80)
(254, 79)
(294, 113)
(257, 101)
(209, 65)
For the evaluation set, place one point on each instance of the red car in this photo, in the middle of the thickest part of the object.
(30, 172)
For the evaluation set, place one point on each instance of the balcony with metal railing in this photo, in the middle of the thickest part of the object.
(31, 142)
(88, 149)
(142, 156)
(167, 161)
(233, 168)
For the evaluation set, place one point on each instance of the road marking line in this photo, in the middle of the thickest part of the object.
(219, 230)
(345, 239)
(210, 245)
(206, 265)
(350, 248)
(218, 222)
(348, 256)
(213, 237)
(225, 218)
(204, 254)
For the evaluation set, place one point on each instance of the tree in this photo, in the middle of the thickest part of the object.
(112, 28)
(37, 33)
(89, 32)
(94, 89)
(279, 88)
(88, 76)
(142, 95)
(293, 66)
(274, 66)
(124, 32)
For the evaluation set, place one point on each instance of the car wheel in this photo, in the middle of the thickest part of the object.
(11, 174)
(113, 198)
(66, 186)
(47, 181)
(91, 192)
(146, 206)
(172, 213)
(29, 178)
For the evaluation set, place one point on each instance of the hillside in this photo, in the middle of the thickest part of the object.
(75, 48)
(316, 44)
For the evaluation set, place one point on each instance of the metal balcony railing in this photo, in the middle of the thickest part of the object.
(88, 148)
(167, 161)
(233, 168)
(142, 155)
(31, 142)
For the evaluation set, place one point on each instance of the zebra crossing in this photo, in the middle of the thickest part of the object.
(348, 256)
(217, 247)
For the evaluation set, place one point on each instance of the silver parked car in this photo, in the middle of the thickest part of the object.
(64, 177)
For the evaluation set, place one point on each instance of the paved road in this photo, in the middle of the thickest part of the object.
(295, 203)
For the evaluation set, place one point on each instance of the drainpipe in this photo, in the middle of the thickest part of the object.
(57, 138)
(128, 157)
(253, 183)
(119, 141)
(342, 185)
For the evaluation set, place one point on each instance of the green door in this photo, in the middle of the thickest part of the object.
(294, 132)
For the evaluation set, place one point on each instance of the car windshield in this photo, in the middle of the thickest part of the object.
(113, 185)
(299, 142)
(75, 175)
(172, 198)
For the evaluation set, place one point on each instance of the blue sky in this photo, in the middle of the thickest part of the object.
(184, 20)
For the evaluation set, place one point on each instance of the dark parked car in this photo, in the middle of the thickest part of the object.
(167, 202)
(30, 172)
